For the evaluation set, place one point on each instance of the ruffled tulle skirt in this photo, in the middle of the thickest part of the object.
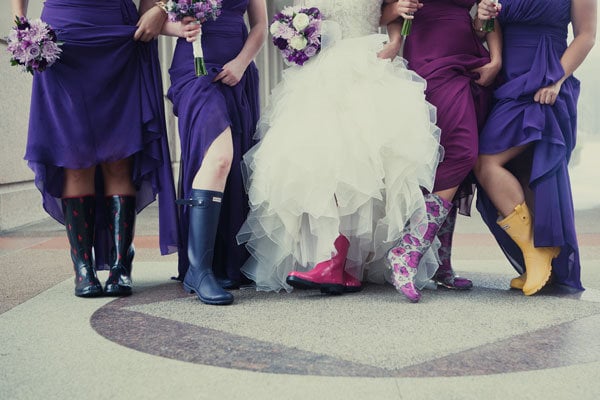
(347, 145)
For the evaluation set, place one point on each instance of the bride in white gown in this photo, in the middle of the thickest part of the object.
(346, 147)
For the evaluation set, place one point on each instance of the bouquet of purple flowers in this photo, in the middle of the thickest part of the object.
(33, 45)
(202, 11)
(297, 33)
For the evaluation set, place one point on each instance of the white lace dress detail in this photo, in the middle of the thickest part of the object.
(356, 17)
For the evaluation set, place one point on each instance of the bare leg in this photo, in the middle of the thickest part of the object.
(216, 164)
(502, 187)
(78, 182)
(520, 167)
(117, 178)
(447, 194)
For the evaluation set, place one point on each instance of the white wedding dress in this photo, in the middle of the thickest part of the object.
(346, 145)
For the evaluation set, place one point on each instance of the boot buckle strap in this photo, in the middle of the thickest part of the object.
(192, 202)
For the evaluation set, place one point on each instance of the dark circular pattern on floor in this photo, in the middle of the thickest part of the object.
(560, 345)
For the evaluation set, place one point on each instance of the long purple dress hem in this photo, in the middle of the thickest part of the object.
(535, 38)
(205, 109)
(101, 102)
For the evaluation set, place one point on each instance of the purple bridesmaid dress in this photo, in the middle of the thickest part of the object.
(101, 102)
(205, 109)
(444, 49)
(535, 38)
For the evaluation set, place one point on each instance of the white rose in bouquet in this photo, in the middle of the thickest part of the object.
(298, 42)
(300, 21)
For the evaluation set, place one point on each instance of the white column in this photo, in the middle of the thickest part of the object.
(269, 61)
(20, 201)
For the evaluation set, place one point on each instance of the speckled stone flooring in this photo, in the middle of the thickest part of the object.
(489, 342)
(375, 333)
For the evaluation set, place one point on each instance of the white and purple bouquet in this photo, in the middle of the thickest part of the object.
(297, 33)
(33, 44)
(202, 11)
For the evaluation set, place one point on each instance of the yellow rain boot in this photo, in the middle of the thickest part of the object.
(538, 260)
(519, 281)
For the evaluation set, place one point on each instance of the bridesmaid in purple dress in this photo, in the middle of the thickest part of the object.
(444, 49)
(97, 139)
(217, 119)
(528, 139)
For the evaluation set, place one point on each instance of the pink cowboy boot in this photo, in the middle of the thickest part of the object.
(404, 258)
(328, 276)
(351, 284)
(445, 276)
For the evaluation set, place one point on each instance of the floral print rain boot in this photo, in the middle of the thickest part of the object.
(404, 258)
(445, 275)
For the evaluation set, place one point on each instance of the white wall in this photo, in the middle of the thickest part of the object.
(19, 199)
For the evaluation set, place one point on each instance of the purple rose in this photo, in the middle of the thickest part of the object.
(299, 58)
(33, 51)
(310, 51)
(22, 23)
(280, 43)
(310, 30)
(314, 12)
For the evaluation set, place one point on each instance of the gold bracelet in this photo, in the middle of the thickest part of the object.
(162, 6)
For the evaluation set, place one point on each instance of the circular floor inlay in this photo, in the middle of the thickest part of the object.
(374, 333)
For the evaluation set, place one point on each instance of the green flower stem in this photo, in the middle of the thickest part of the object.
(200, 66)
(406, 25)
(488, 25)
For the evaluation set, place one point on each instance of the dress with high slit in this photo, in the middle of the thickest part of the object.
(205, 109)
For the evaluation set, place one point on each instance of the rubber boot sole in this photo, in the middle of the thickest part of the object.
(303, 284)
(91, 291)
(539, 286)
(191, 290)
